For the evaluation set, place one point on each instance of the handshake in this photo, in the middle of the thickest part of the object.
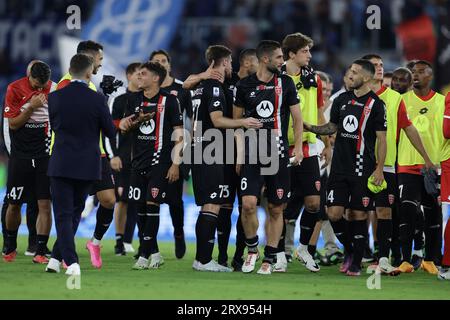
(109, 84)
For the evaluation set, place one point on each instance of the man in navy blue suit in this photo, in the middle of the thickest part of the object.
(77, 115)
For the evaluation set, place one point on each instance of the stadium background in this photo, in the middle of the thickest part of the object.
(130, 30)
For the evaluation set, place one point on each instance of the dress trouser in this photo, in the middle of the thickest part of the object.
(68, 197)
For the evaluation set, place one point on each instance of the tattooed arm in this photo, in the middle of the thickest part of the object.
(326, 129)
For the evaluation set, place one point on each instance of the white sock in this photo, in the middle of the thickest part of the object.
(418, 253)
(96, 242)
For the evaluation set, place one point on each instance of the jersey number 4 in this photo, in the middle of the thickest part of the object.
(331, 196)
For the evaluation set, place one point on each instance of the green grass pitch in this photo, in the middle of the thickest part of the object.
(176, 280)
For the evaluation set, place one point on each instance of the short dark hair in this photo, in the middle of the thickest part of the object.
(294, 42)
(371, 56)
(410, 64)
(246, 53)
(387, 75)
(366, 65)
(424, 62)
(88, 46)
(41, 72)
(266, 47)
(132, 67)
(404, 70)
(80, 63)
(157, 68)
(216, 53)
(160, 51)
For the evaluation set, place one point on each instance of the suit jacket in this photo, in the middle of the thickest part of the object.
(77, 114)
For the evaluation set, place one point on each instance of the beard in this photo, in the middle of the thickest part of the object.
(356, 85)
(273, 69)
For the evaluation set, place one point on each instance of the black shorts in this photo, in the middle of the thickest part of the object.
(296, 202)
(278, 186)
(28, 180)
(107, 181)
(387, 197)
(350, 192)
(149, 186)
(232, 180)
(412, 188)
(122, 183)
(209, 185)
(305, 178)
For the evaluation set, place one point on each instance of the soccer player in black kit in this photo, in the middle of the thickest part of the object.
(359, 117)
(152, 166)
(269, 97)
(175, 200)
(209, 183)
(248, 65)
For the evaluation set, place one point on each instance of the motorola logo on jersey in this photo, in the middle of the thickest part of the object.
(350, 123)
(265, 109)
(147, 127)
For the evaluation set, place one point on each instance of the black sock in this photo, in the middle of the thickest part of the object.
(395, 243)
(3, 218)
(270, 254)
(205, 231)
(376, 244)
(359, 237)
(418, 235)
(32, 213)
(432, 227)
(119, 240)
(104, 219)
(406, 229)
(141, 215)
(281, 243)
(252, 244)
(177, 214)
(223, 233)
(307, 224)
(11, 240)
(312, 249)
(131, 223)
(341, 230)
(384, 235)
(150, 231)
(240, 238)
(42, 241)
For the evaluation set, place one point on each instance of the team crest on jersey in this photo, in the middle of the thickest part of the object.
(391, 199)
(155, 192)
(280, 193)
(160, 108)
(365, 201)
(278, 90)
(366, 110)
(318, 185)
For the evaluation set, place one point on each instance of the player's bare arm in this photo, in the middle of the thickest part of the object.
(325, 129)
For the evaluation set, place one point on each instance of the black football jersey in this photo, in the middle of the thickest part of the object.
(269, 103)
(358, 119)
(152, 140)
